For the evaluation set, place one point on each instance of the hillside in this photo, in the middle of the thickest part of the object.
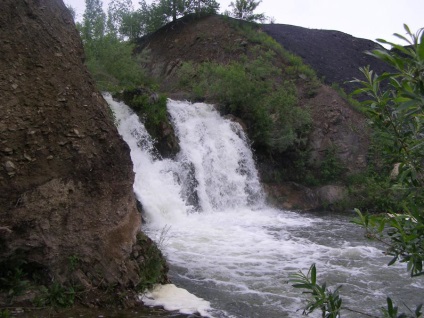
(334, 55)
(337, 133)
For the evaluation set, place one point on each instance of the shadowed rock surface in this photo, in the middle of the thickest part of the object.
(65, 174)
(334, 55)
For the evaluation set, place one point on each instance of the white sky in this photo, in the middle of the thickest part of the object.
(369, 19)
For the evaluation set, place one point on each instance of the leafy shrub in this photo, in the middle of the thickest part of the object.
(328, 301)
(331, 167)
(14, 282)
(56, 295)
(14, 278)
(153, 113)
(153, 265)
(5, 313)
(398, 114)
(113, 65)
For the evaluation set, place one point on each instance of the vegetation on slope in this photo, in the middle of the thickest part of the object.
(255, 87)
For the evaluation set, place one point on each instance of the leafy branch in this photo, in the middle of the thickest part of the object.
(329, 302)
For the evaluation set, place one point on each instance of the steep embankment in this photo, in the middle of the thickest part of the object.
(336, 143)
(67, 210)
(334, 55)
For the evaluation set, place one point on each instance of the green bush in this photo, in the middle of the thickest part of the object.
(153, 112)
(153, 266)
(14, 278)
(331, 167)
(14, 282)
(56, 295)
(322, 298)
(113, 65)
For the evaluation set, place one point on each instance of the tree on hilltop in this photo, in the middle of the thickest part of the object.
(202, 6)
(93, 25)
(243, 10)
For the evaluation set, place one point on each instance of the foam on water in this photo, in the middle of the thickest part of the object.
(173, 298)
(232, 249)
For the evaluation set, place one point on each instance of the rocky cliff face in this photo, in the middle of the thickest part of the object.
(65, 174)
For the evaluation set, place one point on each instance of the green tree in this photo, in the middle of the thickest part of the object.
(94, 19)
(123, 21)
(201, 6)
(173, 8)
(109, 55)
(164, 10)
(153, 16)
(160, 12)
(116, 13)
(243, 9)
(398, 111)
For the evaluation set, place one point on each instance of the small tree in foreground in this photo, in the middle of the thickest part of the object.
(399, 112)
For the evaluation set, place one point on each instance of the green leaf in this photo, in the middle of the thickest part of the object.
(394, 259)
(420, 48)
(401, 37)
(418, 312)
(406, 27)
(313, 274)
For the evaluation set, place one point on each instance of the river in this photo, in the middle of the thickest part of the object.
(229, 248)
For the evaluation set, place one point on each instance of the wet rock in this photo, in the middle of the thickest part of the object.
(331, 194)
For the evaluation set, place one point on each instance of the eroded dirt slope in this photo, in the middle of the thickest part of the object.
(65, 174)
(334, 55)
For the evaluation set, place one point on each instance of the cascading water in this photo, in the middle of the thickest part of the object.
(233, 250)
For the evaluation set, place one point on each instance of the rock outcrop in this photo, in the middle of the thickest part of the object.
(65, 174)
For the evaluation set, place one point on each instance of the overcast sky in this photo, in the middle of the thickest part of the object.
(369, 19)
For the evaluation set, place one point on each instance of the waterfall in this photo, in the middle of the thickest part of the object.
(227, 246)
(222, 159)
(214, 149)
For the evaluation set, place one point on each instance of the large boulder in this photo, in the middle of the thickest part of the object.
(65, 174)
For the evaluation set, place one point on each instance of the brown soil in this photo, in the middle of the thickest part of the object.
(65, 174)
(189, 39)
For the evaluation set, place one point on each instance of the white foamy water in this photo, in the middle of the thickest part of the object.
(173, 298)
(231, 249)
